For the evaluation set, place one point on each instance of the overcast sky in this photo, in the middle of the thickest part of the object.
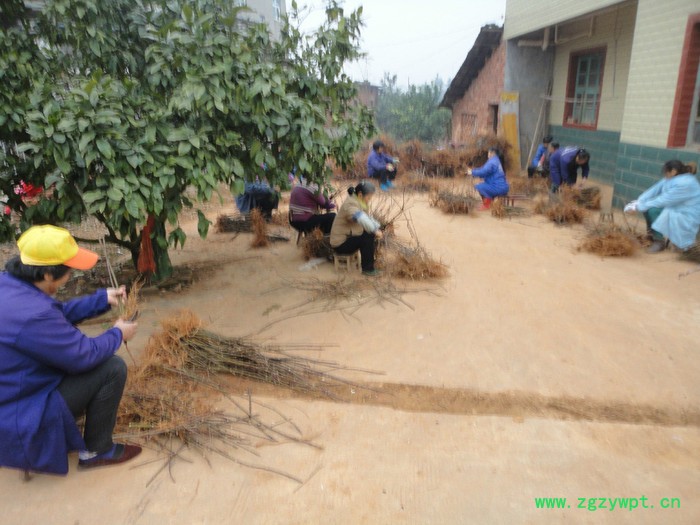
(416, 40)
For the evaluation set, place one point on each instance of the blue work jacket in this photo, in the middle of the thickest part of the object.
(39, 346)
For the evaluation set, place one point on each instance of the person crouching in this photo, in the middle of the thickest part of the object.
(495, 183)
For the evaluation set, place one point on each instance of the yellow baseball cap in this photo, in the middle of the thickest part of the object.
(51, 246)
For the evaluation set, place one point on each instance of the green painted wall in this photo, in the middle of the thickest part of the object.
(638, 167)
(602, 145)
(629, 168)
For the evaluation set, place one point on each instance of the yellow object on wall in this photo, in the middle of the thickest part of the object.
(510, 128)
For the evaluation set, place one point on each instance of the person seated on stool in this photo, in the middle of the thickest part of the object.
(671, 207)
(353, 229)
(304, 202)
(381, 166)
(495, 183)
(51, 372)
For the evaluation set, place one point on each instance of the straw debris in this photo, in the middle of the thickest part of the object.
(315, 244)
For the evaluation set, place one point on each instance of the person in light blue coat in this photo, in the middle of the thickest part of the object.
(495, 183)
(671, 207)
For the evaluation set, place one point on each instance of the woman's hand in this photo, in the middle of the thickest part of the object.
(469, 171)
(378, 234)
(115, 295)
(128, 329)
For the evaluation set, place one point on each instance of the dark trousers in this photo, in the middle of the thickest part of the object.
(385, 175)
(322, 221)
(364, 243)
(532, 170)
(650, 216)
(96, 394)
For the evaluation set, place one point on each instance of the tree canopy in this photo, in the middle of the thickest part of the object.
(413, 113)
(121, 106)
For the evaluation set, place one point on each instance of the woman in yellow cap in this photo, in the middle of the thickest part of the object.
(50, 372)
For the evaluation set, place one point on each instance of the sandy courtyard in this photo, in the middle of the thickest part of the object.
(534, 370)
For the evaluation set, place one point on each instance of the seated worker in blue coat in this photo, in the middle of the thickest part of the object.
(671, 207)
(495, 183)
(50, 372)
(381, 166)
(259, 195)
(564, 164)
(540, 162)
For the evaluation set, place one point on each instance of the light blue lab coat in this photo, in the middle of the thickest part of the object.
(679, 197)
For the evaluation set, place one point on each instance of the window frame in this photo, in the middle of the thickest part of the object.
(571, 81)
(681, 118)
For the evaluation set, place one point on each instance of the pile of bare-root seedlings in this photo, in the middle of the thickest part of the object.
(610, 240)
(314, 244)
(171, 395)
(501, 210)
(454, 201)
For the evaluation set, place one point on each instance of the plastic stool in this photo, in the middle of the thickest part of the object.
(350, 261)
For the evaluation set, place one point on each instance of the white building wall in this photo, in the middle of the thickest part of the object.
(655, 61)
(614, 30)
(525, 16)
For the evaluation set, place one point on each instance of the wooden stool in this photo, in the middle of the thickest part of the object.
(512, 198)
(607, 216)
(350, 261)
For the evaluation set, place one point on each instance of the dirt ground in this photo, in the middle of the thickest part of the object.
(533, 370)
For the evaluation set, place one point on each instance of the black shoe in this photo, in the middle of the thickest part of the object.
(371, 273)
(657, 247)
(122, 454)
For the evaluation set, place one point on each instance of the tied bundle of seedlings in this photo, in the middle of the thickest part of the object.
(412, 261)
(610, 240)
(315, 244)
(454, 202)
(561, 208)
(233, 224)
(588, 198)
(244, 224)
(691, 254)
(500, 210)
(185, 344)
(409, 260)
(260, 239)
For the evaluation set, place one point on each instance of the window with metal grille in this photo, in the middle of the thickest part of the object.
(584, 86)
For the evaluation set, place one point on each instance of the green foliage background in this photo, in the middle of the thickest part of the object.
(124, 105)
(412, 114)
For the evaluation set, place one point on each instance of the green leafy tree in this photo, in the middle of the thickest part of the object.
(135, 101)
(414, 113)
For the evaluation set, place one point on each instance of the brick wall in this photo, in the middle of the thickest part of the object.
(472, 114)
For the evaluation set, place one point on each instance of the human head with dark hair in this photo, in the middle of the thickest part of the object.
(34, 274)
(553, 146)
(676, 167)
(378, 144)
(493, 151)
(547, 140)
(364, 190)
(582, 157)
(46, 256)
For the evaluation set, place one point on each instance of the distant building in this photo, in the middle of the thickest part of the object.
(367, 94)
(270, 12)
(475, 92)
(619, 78)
